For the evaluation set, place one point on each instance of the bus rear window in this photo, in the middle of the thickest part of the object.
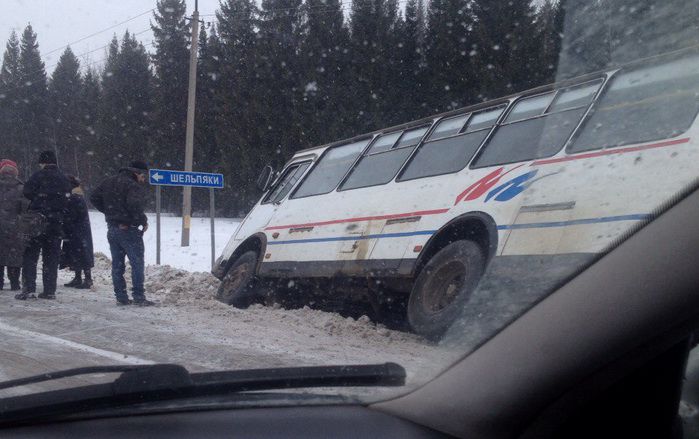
(334, 164)
(642, 105)
(539, 126)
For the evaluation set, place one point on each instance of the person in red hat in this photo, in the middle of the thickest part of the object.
(12, 204)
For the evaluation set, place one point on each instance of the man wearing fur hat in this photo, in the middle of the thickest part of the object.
(12, 204)
(47, 191)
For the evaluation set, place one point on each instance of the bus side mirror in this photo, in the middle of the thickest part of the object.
(265, 178)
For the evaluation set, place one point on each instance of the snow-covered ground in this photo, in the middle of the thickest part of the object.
(188, 326)
(196, 257)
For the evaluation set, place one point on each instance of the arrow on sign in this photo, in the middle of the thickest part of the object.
(157, 177)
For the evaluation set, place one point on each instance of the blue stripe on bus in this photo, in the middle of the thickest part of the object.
(605, 219)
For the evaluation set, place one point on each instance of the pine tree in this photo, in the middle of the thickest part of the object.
(90, 145)
(207, 156)
(10, 82)
(504, 34)
(110, 102)
(450, 49)
(33, 98)
(375, 26)
(126, 107)
(279, 94)
(239, 131)
(587, 43)
(549, 28)
(326, 80)
(412, 80)
(66, 105)
(171, 34)
(171, 63)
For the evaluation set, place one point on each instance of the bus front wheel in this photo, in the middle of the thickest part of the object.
(444, 286)
(238, 285)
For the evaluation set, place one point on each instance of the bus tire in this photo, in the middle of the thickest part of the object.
(444, 286)
(238, 286)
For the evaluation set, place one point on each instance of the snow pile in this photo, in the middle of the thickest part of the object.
(102, 262)
(176, 287)
(179, 288)
(333, 324)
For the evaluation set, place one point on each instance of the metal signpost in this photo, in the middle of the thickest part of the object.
(162, 177)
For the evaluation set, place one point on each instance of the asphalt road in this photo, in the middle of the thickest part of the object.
(86, 328)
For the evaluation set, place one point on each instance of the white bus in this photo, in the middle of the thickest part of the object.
(553, 173)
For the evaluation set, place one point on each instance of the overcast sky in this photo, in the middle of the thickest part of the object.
(60, 22)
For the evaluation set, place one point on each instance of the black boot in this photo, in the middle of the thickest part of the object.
(77, 280)
(87, 283)
(24, 295)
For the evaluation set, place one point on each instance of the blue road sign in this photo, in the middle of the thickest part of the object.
(161, 177)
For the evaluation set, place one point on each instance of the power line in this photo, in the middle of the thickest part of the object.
(99, 32)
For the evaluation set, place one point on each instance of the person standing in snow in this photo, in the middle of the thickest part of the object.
(47, 191)
(122, 199)
(12, 204)
(77, 238)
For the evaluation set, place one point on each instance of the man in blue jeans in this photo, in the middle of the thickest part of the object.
(122, 199)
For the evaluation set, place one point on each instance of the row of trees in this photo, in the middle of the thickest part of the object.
(271, 80)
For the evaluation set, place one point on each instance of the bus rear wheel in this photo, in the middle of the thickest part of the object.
(238, 287)
(444, 286)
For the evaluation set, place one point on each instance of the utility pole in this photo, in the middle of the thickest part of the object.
(189, 144)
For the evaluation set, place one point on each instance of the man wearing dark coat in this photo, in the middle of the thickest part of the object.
(122, 199)
(47, 191)
(77, 251)
(12, 204)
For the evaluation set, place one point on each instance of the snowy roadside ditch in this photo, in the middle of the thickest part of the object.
(194, 293)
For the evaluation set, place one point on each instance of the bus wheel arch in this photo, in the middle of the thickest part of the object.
(257, 243)
(478, 227)
(451, 268)
(240, 284)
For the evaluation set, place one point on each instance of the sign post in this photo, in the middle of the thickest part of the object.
(158, 191)
(161, 177)
(212, 214)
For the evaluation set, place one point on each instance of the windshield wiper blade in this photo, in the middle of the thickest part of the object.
(50, 376)
(164, 382)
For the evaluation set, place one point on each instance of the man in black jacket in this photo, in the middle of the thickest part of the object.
(122, 199)
(48, 191)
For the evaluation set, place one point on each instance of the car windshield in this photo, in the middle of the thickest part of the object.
(439, 168)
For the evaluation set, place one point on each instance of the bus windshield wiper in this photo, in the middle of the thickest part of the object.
(162, 382)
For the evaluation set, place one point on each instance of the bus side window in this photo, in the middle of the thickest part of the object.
(451, 145)
(376, 168)
(538, 126)
(642, 105)
(287, 181)
(332, 166)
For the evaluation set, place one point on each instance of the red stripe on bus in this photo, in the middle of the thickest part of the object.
(611, 151)
(363, 218)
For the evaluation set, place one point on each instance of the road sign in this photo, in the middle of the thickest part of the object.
(161, 177)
